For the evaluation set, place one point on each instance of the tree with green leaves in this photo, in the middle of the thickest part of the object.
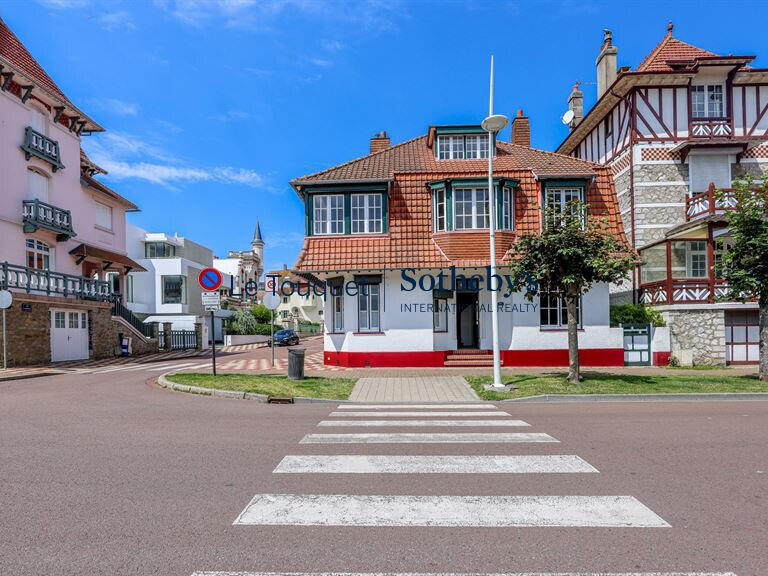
(745, 264)
(569, 255)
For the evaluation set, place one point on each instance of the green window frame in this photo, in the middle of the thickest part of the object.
(444, 192)
(375, 216)
(559, 193)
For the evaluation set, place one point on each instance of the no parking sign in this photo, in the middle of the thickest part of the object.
(209, 279)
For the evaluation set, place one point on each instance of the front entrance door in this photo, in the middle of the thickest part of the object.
(69, 335)
(467, 333)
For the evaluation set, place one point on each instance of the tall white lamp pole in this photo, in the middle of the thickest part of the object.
(493, 125)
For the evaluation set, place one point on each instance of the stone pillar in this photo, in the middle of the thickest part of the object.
(199, 335)
(167, 332)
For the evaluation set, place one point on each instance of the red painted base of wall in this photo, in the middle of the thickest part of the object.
(385, 359)
(587, 357)
(661, 358)
(559, 357)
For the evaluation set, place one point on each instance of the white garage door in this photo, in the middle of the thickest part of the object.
(69, 335)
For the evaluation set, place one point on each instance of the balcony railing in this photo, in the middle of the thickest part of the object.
(36, 144)
(29, 280)
(708, 203)
(684, 291)
(708, 128)
(37, 214)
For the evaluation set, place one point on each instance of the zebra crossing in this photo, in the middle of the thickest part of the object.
(435, 510)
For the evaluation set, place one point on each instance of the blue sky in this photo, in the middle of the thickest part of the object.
(211, 107)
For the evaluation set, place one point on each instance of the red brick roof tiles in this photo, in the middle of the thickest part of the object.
(410, 241)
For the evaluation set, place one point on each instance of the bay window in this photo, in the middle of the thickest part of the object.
(328, 216)
(368, 308)
(470, 208)
(707, 101)
(507, 214)
(367, 214)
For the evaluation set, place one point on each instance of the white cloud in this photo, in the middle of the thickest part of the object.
(323, 63)
(126, 156)
(113, 20)
(64, 4)
(115, 106)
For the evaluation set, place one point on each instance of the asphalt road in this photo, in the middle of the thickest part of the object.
(107, 474)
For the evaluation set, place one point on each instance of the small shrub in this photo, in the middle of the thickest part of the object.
(262, 314)
(635, 314)
(674, 361)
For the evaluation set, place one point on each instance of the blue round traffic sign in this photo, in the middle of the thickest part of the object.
(209, 279)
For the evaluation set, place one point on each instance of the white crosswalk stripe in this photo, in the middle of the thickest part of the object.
(479, 406)
(520, 464)
(172, 367)
(421, 423)
(418, 413)
(426, 438)
(465, 574)
(458, 511)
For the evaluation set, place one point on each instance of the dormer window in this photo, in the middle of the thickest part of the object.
(462, 146)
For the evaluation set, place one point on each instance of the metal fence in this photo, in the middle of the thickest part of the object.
(183, 340)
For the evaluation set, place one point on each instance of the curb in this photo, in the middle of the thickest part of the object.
(28, 376)
(674, 397)
(261, 398)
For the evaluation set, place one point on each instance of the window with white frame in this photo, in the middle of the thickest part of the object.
(476, 147)
(707, 101)
(38, 120)
(337, 306)
(561, 201)
(552, 310)
(284, 314)
(328, 214)
(450, 147)
(507, 209)
(38, 255)
(174, 289)
(367, 214)
(440, 314)
(103, 216)
(37, 186)
(439, 215)
(470, 207)
(368, 313)
(696, 262)
(59, 319)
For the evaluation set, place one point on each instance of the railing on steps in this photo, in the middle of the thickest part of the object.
(118, 309)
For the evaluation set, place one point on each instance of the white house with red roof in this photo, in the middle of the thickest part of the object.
(395, 236)
(63, 251)
(681, 125)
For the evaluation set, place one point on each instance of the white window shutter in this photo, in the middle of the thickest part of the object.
(708, 168)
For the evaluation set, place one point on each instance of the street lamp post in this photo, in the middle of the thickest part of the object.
(493, 125)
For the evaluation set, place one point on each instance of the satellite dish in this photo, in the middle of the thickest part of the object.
(567, 117)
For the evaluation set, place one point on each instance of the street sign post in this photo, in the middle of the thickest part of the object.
(210, 281)
(271, 301)
(6, 299)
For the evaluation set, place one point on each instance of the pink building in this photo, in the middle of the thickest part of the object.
(62, 232)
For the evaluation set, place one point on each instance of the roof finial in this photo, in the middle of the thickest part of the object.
(670, 27)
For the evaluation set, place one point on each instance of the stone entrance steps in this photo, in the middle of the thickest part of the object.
(469, 357)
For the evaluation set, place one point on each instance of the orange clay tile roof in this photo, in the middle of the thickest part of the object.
(14, 51)
(415, 156)
(670, 49)
(410, 241)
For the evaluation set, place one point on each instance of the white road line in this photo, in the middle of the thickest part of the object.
(120, 369)
(465, 511)
(426, 423)
(409, 406)
(450, 438)
(172, 367)
(445, 574)
(519, 464)
(417, 413)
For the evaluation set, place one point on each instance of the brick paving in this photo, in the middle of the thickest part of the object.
(413, 389)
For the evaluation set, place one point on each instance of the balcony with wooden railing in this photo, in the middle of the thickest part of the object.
(711, 128)
(684, 291)
(47, 282)
(709, 203)
(39, 145)
(38, 214)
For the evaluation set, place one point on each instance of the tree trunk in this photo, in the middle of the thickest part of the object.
(764, 336)
(573, 338)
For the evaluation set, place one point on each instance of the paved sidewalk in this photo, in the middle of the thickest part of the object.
(414, 389)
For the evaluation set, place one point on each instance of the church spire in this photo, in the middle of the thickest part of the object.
(257, 239)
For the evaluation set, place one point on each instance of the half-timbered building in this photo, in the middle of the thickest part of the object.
(400, 236)
(684, 123)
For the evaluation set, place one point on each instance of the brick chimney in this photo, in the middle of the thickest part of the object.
(379, 142)
(606, 63)
(521, 130)
(576, 104)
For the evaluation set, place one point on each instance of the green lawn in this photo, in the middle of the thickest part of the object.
(536, 384)
(271, 385)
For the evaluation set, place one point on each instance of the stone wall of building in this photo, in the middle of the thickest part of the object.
(754, 169)
(106, 336)
(697, 337)
(659, 204)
